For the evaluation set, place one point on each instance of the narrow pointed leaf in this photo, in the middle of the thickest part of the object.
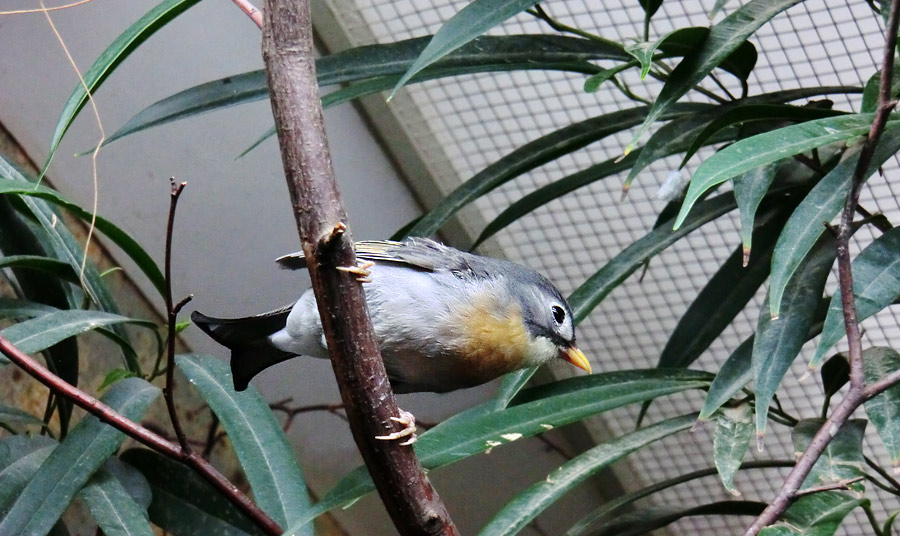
(749, 189)
(734, 429)
(260, 443)
(73, 462)
(819, 514)
(12, 415)
(876, 285)
(109, 59)
(470, 22)
(528, 157)
(532, 412)
(20, 459)
(119, 237)
(733, 375)
(884, 409)
(386, 63)
(772, 146)
(42, 332)
(594, 519)
(115, 511)
(778, 341)
(183, 503)
(511, 385)
(47, 265)
(13, 308)
(684, 41)
(723, 39)
(533, 501)
(750, 112)
(592, 83)
(592, 291)
(649, 519)
(723, 297)
(820, 205)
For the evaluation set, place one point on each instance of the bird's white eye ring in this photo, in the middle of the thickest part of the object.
(559, 314)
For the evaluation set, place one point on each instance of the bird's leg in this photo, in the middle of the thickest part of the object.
(408, 420)
(361, 270)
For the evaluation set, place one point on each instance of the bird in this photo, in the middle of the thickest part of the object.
(444, 319)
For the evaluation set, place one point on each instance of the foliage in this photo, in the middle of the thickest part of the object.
(788, 158)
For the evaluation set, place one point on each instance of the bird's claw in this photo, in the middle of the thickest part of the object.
(361, 270)
(408, 420)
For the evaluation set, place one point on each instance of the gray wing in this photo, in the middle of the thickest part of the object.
(420, 253)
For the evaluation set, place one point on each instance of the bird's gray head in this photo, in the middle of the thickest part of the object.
(546, 315)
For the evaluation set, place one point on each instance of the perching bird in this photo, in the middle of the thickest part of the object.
(444, 319)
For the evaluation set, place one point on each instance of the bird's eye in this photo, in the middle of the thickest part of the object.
(559, 314)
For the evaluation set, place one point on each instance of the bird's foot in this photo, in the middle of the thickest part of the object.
(408, 420)
(361, 270)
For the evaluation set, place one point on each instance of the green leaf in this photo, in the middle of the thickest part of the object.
(842, 459)
(835, 374)
(529, 156)
(778, 341)
(183, 503)
(70, 465)
(259, 442)
(733, 375)
(650, 7)
(12, 415)
(723, 297)
(684, 42)
(384, 65)
(734, 428)
(115, 511)
(884, 409)
(530, 503)
(819, 514)
(724, 38)
(873, 85)
(772, 146)
(115, 375)
(620, 504)
(822, 204)
(109, 59)
(876, 285)
(749, 190)
(750, 112)
(649, 519)
(20, 459)
(50, 266)
(532, 412)
(119, 237)
(592, 291)
(717, 7)
(643, 52)
(511, 385)
(592, 83)
(476, 18)
(37, 334)
(14, 308)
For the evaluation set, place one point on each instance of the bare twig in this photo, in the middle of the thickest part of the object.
(843, 484)
(858, 392)
(140, 433)
(291, 412)
(408, 496)
(251, 11)
(172, 315)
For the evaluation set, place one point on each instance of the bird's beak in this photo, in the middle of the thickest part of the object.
(576, 357)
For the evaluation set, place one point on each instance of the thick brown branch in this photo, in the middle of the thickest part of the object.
(858, 392)
(407, 494)
(136, 431)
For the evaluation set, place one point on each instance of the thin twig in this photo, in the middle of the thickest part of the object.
(172, 310)
(292, 412)
(140, 433)
(858, 392)
(251, 11)
(843, 484)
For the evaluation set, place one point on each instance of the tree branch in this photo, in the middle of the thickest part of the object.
(251, 11)
(858, 391)
(287, 49)
(143, 435)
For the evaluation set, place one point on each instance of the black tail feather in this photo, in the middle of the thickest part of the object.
(247, 338)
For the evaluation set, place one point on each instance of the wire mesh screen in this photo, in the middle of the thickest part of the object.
(477, 119)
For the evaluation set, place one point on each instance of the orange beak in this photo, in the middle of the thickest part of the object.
(576, 357)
